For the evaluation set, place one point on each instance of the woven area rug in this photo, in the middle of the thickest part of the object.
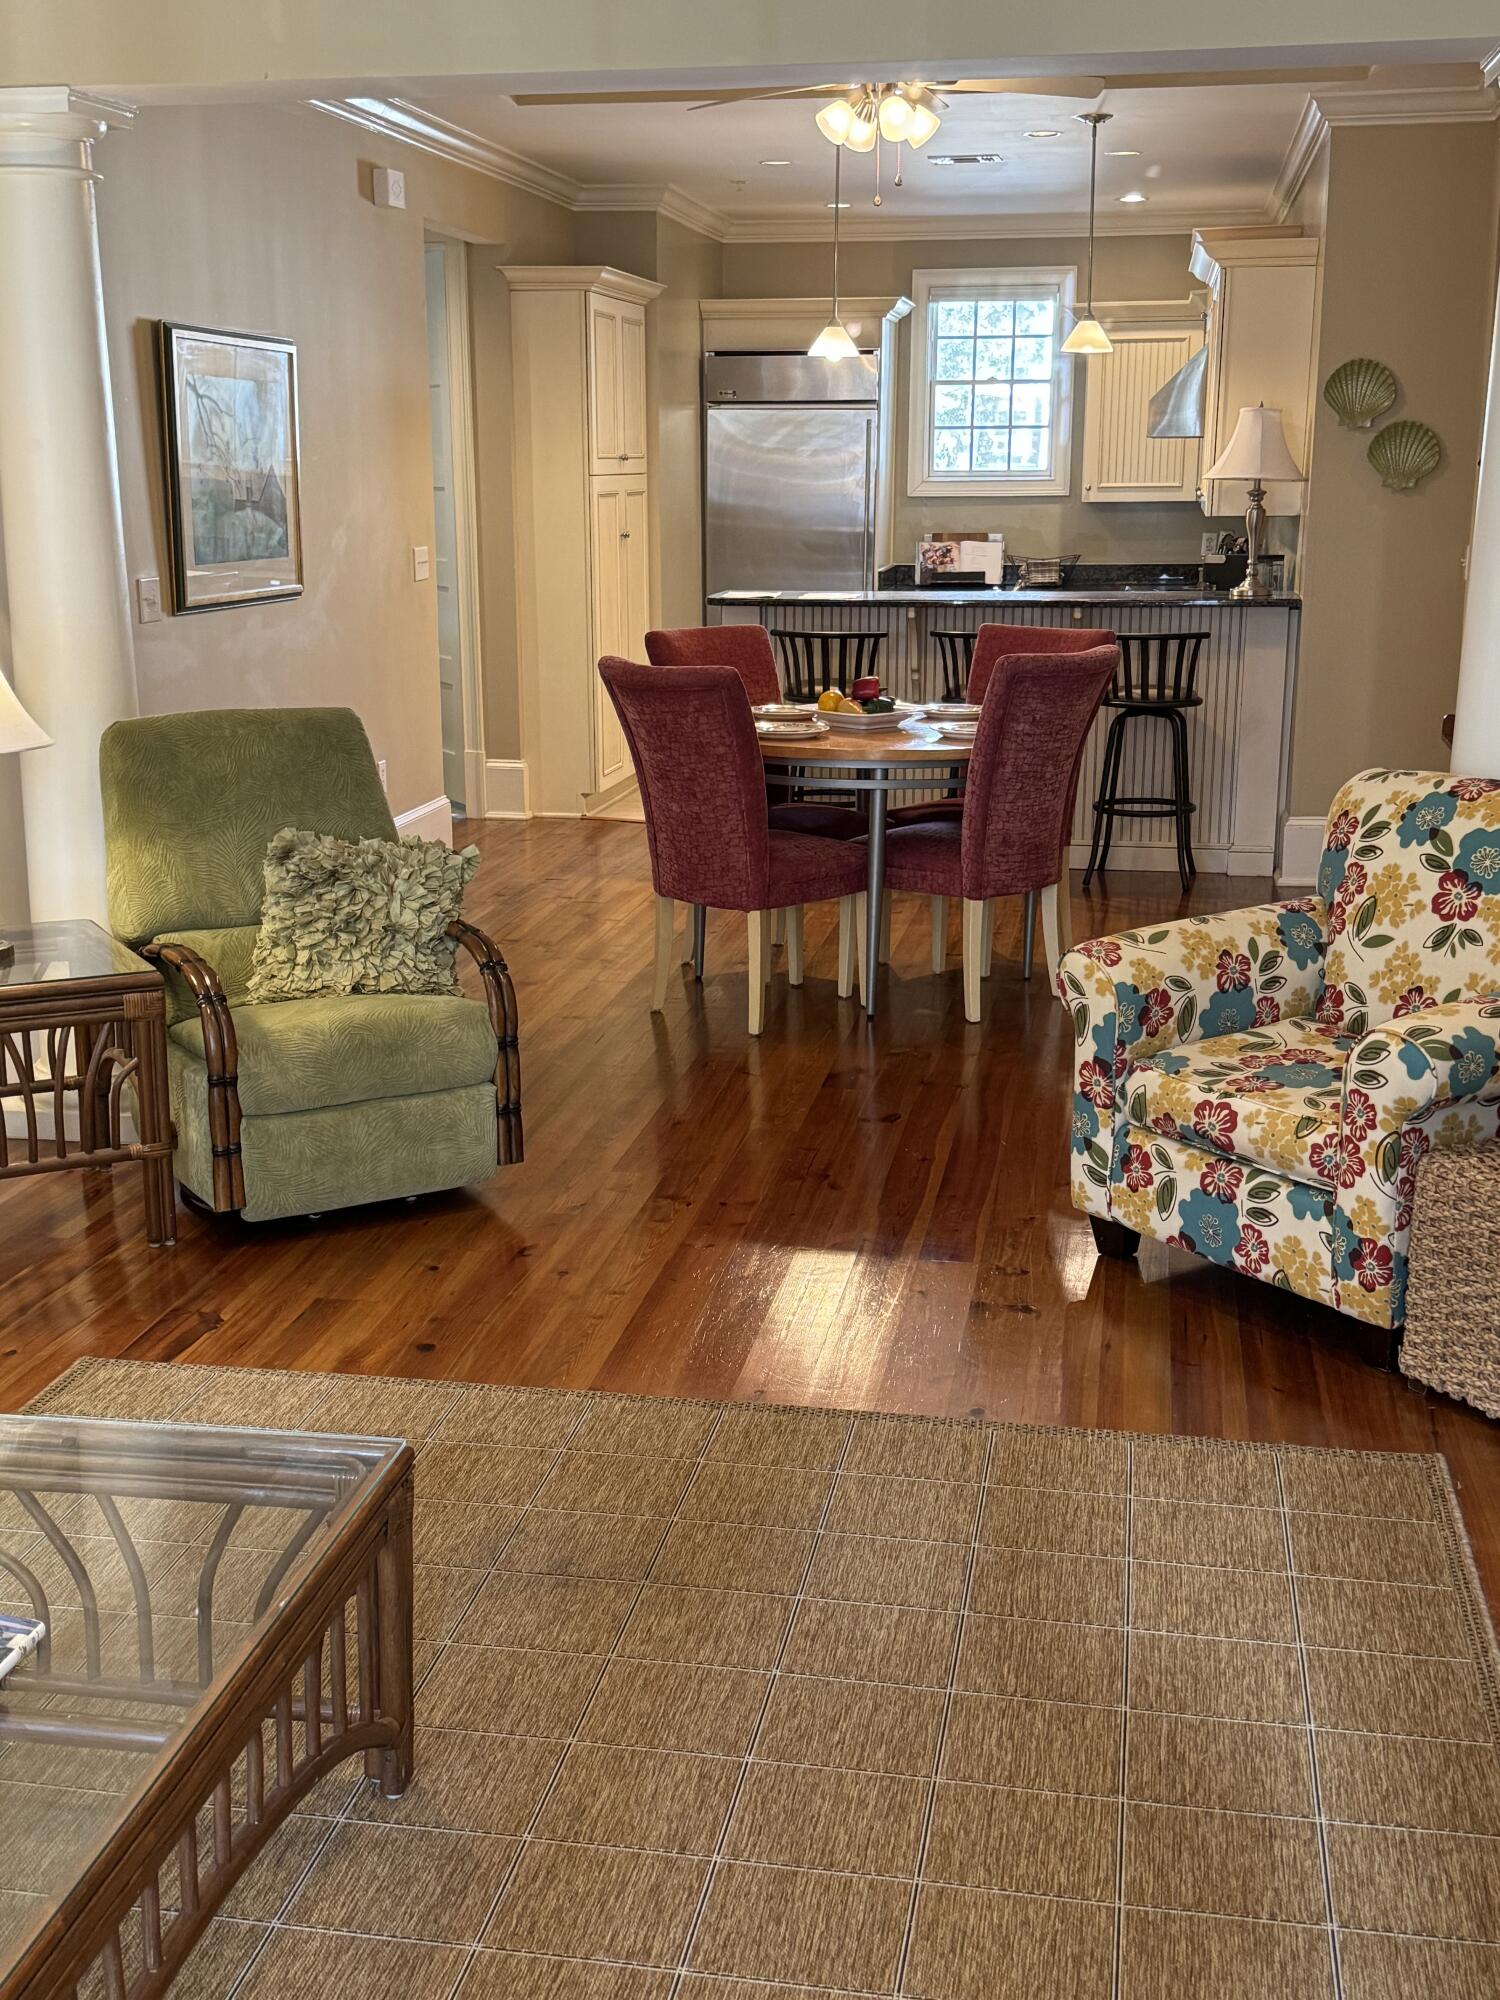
(729, 1702)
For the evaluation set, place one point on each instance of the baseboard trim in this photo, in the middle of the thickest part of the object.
(1160, 856)
(433, 821)
(1301, 851)
(507, 789)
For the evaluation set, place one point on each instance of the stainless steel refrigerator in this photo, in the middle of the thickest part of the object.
(789, 472)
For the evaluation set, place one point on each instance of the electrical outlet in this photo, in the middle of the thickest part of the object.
(147, 599)
(380, 767)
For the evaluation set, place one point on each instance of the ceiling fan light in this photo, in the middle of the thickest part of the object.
(896, 114)
(924, 122)
(1088, 337)
(834, 120)
(834, 343)
(863, 130)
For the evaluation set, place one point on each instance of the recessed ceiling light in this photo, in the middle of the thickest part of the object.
(776, 163)
(965, 159)
(1135, 195)
(1044, 132)
(841, 204)
(1124, 153)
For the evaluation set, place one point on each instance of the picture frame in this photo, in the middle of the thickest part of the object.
(233, 481)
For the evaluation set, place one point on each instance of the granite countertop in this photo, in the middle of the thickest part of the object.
(1139, 594)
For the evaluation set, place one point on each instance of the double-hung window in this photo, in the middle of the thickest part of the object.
(991, 388)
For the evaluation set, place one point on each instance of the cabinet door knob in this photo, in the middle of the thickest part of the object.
(624, 455)
(624, 534)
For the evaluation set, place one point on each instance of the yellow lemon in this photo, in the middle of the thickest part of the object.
(830, 698)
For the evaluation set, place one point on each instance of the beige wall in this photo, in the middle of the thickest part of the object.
(261, 218)
(1408, 278)
(691, 268)
(1126, 268)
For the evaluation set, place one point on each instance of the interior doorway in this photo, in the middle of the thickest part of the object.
(454, 561)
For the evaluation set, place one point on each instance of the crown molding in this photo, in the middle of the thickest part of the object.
(662, 198)
(581, 278)
(792, 227)
(1490, 67)
(1306, 142)
(394, 118)
(1458, 104)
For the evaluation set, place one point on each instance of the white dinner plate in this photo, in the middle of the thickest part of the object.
(801, 729)
(951, 711)
(783, 711)
(957, 732)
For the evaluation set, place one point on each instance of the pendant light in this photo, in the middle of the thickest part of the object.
(1088, 336)
(835, 342)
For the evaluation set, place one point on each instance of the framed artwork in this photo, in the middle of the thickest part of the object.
(229, 406)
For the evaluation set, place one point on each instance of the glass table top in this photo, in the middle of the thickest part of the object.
(49, 954)
(155, 1554)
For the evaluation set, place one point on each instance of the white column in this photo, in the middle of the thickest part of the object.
(64, 545)
(1476, 727)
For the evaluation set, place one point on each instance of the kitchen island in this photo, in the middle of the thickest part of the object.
(1237, 740)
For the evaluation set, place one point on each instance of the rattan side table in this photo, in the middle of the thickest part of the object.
(1452, 1336)
(82, 1017)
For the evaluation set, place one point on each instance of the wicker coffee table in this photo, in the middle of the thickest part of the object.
(229, 1616)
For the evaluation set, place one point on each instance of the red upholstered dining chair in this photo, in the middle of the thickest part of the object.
(1011, 837)
(992, 644)
(747, 648)
(692, 739)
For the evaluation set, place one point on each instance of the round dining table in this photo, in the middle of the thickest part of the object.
(907, 755)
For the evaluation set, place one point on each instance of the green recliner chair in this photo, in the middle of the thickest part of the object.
(298, 1106)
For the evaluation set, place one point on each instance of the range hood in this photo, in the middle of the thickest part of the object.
(1177, 409)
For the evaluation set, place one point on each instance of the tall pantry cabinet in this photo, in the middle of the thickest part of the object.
(583, 545)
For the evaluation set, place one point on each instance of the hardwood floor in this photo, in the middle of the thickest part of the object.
(875, 1217)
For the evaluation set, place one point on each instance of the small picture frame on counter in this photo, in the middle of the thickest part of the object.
(937, 557)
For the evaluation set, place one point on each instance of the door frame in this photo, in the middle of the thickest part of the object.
(465, 510)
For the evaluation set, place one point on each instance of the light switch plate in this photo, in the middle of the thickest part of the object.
(421, 565)
(380, 767)
(147, 599)
(389, 187)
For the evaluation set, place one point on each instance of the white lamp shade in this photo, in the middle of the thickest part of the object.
(834, 343)
(895, 117)
(1258, 450)
(1088, 337)
(834, 120)
(924, 122)
(862, 133)
(17, 730)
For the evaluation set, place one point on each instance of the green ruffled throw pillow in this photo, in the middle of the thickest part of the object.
(357, 916)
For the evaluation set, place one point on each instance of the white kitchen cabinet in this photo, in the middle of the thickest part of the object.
(617, 383)
(582, 519)
(622, 610)
(1263, 301)
(1120, 461)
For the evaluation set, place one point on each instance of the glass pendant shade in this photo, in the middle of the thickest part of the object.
(863, 131)
(834, 343)
(834, 120)
(1088, 337)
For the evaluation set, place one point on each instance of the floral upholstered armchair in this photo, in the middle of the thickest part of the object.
(1260, 1086)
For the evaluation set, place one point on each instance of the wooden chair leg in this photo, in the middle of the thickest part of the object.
(795, 960)
(987, 944)
(759, 922)
(1057, 934)
(779, 937)
(687, 937)
(974, 913)
(939, 908)
(666, 929)
(848, 927)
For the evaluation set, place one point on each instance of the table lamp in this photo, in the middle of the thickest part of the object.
(1257, 452)
(17, 732)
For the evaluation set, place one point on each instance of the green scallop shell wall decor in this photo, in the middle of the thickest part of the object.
(1360, 391)
(1405, 452)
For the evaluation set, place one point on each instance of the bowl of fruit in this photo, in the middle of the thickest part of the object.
(871, 711)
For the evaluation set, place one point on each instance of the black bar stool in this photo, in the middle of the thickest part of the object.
(1157, 676)
(956, 654)
(817, 661)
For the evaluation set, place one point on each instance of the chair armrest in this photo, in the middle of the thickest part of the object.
(500, 998)
(1408, 1067)
(1138, 992)
(221, 1057)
